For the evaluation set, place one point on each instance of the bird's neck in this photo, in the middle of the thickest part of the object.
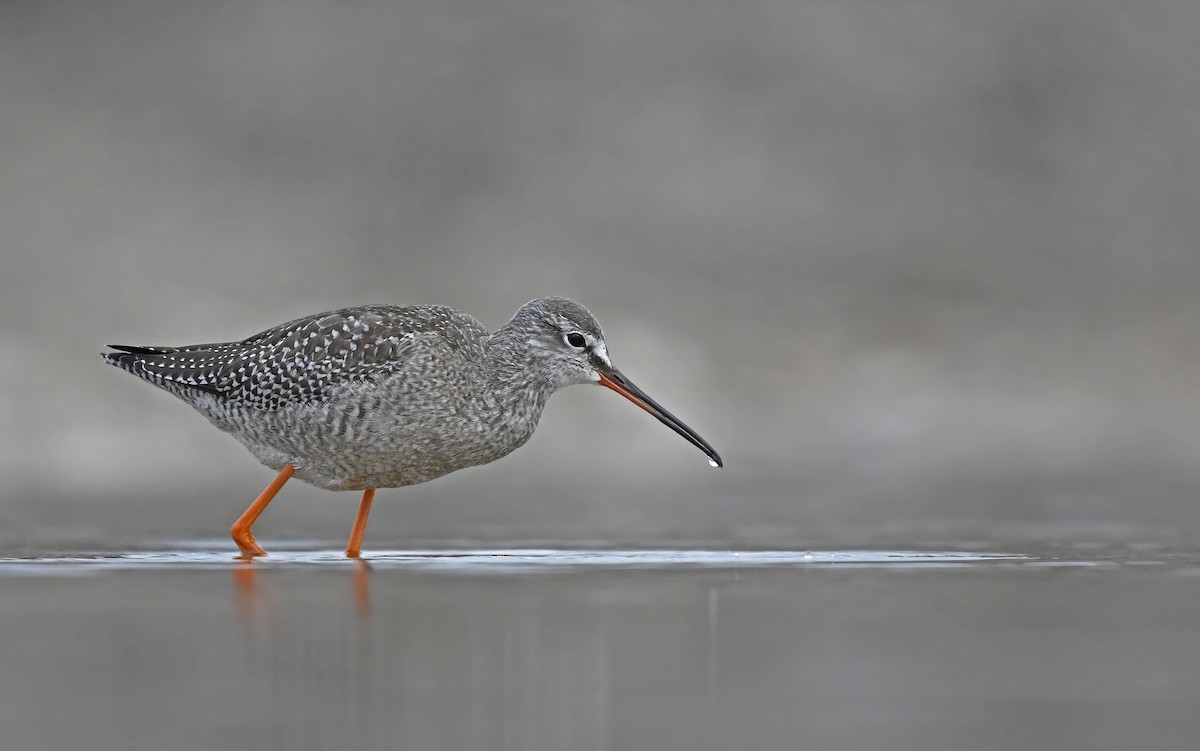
(511, 372)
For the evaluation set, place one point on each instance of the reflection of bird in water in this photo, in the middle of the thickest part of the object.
(256, 601)
(383, 396)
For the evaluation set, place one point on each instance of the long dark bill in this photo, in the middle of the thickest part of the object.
(623, 386)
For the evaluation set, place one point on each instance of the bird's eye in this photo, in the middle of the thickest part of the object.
(575, 339)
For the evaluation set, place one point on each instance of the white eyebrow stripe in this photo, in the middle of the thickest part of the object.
(600, 351)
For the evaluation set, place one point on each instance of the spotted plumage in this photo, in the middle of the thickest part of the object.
(384, 396)
(303, 360)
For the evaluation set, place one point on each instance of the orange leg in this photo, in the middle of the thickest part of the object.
(241, 528)
(354, 547)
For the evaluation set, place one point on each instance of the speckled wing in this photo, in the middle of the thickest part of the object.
(303, 360)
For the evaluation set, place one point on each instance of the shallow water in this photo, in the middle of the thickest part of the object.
(493, 560)
(971, 646)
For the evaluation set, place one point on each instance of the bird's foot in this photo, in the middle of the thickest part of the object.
(247, 544)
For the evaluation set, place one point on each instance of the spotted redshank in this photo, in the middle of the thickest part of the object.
(383, 396)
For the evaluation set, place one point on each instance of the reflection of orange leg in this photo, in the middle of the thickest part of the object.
(245, 584)
(241, 528)
(362, 587)
(354, 547)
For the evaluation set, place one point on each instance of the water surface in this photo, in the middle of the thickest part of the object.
(182, 646)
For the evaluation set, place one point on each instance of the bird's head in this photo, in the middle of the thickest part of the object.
(564, 344)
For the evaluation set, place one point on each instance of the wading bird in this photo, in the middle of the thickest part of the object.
(383, 396)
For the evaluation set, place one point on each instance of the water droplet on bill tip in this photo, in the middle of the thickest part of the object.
(713, 463)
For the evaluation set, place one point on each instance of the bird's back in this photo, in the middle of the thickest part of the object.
(310, 359)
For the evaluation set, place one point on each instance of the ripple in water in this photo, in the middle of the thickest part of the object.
(484, 560)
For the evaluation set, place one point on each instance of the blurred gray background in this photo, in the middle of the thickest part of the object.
(918, 269)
